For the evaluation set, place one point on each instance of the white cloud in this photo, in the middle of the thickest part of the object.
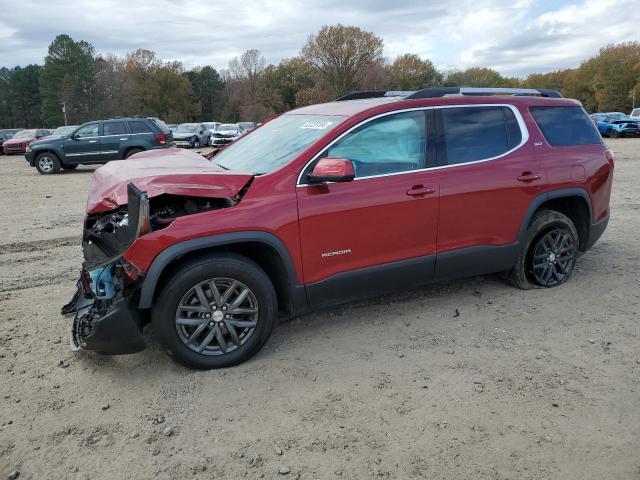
(515, 37)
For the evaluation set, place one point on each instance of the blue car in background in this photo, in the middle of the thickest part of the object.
(616, 125)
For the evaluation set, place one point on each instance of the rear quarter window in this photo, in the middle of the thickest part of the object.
(139, 126)
(566, 126)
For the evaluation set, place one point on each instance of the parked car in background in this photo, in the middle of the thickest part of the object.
(616, 125)
(246, 126)
(8, 133)
(62, 131)
(635, 114)
(172, 127)
(335, 202)
(98, 142)
(211, 126)
(191, 135)
(225, 134)
(18, 143)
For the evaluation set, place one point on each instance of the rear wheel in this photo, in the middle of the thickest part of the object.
(133, 151)
(47, 163)
(549, 253)
(215, 312)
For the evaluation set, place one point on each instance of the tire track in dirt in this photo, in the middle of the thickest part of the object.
(34, 245)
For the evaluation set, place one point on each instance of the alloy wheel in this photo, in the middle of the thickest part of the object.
(217, 316)
(45, 163)
(553, 257)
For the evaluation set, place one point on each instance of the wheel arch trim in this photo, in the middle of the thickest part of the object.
(552, 195)
(174, 252)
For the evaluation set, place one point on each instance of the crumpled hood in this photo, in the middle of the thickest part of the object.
(183, 135)
(172, 171)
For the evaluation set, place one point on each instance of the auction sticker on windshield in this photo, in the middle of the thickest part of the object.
(317, 125)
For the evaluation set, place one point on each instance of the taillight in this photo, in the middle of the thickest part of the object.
(161, 138)
(609, 155)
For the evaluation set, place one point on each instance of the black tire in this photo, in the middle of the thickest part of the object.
(47, 163)
(133, 151)
(196, 143)
(614, 135)
(546, 225)
(69, 167)
(219, 267)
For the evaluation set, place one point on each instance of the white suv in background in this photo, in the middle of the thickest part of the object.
(635, 113)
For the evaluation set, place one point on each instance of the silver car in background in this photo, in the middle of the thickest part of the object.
(225, 134)
(191, 135)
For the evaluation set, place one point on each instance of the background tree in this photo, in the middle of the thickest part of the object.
(410, 72)
(112, 94)
(279, 85)
(475, 77)
(207, 86)
(341, 55)
(67, 76)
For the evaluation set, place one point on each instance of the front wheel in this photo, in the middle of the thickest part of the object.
(47, 163)
(549, 253)
(196, 143)
(215, 312)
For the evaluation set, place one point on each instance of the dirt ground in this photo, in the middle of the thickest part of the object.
(519, 385)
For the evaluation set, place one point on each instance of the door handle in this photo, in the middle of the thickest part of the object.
(92, 141)
(124, 138)
(529, 177)
(420, 191)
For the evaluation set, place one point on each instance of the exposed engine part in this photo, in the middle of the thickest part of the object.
(166, 208)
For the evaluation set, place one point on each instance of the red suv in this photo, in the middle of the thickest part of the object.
(325, 204)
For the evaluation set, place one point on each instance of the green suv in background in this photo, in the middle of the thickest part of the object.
(98, 142)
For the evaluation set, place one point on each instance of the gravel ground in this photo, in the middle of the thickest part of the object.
(519, 385)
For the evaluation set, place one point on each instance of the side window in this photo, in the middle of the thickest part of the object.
(479, 133)
(391, 144)
(90, 130)
(565, 126)
(138, 126)
(114, 128)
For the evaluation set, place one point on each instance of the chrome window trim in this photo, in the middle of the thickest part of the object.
(523, 130)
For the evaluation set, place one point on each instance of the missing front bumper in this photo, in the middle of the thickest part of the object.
(109, 328)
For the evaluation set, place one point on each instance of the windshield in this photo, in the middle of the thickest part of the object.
(63, 130)
(25, 134)
(275, 143)
(186, 129)
(226, 127)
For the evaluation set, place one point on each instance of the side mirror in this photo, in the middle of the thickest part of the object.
(332, 170)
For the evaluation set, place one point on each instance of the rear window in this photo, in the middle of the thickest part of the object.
(114, 128)
(479, 133)
(138, 126)
(161, 125)
(566, 126)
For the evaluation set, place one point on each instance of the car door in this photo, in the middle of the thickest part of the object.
(84, 145)
(114, 136)
(378, 232)
(488, 175)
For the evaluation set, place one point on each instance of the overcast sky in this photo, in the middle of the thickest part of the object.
(515, 37)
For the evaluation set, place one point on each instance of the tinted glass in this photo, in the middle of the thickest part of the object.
(90, 130)
(138, 126)
(114, 128)
(479, 133)
(394, 143)
(564, 126)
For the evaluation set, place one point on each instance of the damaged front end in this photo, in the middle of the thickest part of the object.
(107, 318)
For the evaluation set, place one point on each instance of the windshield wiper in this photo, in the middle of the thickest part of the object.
(222, 166)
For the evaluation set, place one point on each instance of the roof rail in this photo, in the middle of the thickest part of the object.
(374, 94)
(437, 92)
(445, 91)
